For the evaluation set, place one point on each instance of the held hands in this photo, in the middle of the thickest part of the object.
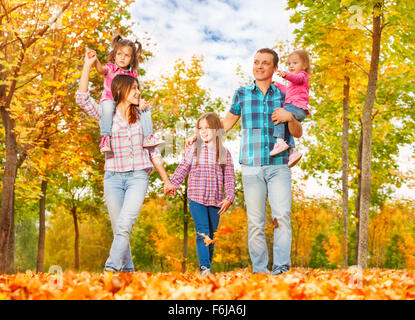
(169, 189)
(90, 57)
(224, 206)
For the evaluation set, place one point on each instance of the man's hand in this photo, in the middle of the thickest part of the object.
(281, 115)
(224, 206)
(189, 142)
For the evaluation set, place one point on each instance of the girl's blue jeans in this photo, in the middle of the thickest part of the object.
(281, 130)
(124, 195)
(108, 109)
(206, 221)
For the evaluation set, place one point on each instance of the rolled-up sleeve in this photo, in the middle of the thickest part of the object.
(235, 107)
(89, 105)
(229, 178)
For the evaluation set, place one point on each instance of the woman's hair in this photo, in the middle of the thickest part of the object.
(120, 88)
(118, 42)
(215, 123)
(303, 55)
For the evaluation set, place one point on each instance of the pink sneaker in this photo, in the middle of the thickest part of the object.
(105, 145)
(294, 157)
(279, 147)
(151, 141)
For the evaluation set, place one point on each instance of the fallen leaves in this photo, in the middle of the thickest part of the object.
(298, 283)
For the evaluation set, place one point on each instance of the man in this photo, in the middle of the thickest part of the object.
(259, 106)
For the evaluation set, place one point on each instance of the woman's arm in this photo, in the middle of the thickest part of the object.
(83, 99)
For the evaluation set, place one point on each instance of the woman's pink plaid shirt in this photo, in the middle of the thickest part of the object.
(206, 180)
(127, 153)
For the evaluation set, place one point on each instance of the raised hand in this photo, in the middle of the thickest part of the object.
(281, 74)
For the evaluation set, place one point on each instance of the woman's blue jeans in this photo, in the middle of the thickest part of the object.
(124, 195)
(206, 221)
(281, 129)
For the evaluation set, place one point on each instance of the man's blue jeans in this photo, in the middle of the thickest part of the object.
(124, 194)
(274, 182)
(206, 221)
(281, 129)
(108, 109)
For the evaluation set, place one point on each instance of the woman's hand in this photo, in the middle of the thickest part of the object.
(144, 105)
(169, 189)
(90, 57)
(224, 206)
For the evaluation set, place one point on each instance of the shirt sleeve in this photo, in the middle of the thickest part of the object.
(184, 167)
(89, 105)
(235, 107)
(297, 78)
(229, 178)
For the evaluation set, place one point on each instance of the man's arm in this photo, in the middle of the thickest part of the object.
(230, 120)
(294, 126)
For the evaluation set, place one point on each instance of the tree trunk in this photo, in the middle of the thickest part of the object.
(367, 139)
(345, 167)
(12, 241)
(75, 222)
(359, 191)
(185, 229)
(42, 227)
(9, 179)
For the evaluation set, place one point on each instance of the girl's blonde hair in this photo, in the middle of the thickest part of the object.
(304, 57)
(215, 123)
(119, 42)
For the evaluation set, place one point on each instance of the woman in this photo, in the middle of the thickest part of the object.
(127, 167)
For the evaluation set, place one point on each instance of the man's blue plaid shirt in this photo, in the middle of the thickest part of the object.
(257, 127)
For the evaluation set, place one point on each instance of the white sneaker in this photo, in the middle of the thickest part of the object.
(151, 141)
(204, 270)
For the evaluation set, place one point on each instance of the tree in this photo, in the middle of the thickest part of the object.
(363, 54)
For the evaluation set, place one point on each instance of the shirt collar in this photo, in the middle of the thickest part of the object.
(254, 87)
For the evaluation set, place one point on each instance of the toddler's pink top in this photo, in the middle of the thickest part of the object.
(112, 71)
(297, 90)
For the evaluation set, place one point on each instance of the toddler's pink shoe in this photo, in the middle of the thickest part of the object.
(105, 145)
(279, 147)
(152, 141)
(294, 157)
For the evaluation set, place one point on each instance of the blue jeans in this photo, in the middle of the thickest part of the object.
(259, 182)
(124, 195)
(206, 221)
(281, 130)
(108, 109)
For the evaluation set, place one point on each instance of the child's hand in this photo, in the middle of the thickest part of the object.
(169, 189)
(224, 206)
(90, 57)
(144, 105)
(281, 74)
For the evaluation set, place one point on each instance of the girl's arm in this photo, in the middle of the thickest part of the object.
(229, 184)
(297, 78)
(183, 168)
(102, 69)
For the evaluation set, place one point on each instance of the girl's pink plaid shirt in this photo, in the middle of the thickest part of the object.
(127, 153)
(207, 179)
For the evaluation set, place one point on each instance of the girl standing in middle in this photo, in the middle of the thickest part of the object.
(210, 168)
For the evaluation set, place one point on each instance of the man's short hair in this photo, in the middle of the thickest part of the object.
(270, 51)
